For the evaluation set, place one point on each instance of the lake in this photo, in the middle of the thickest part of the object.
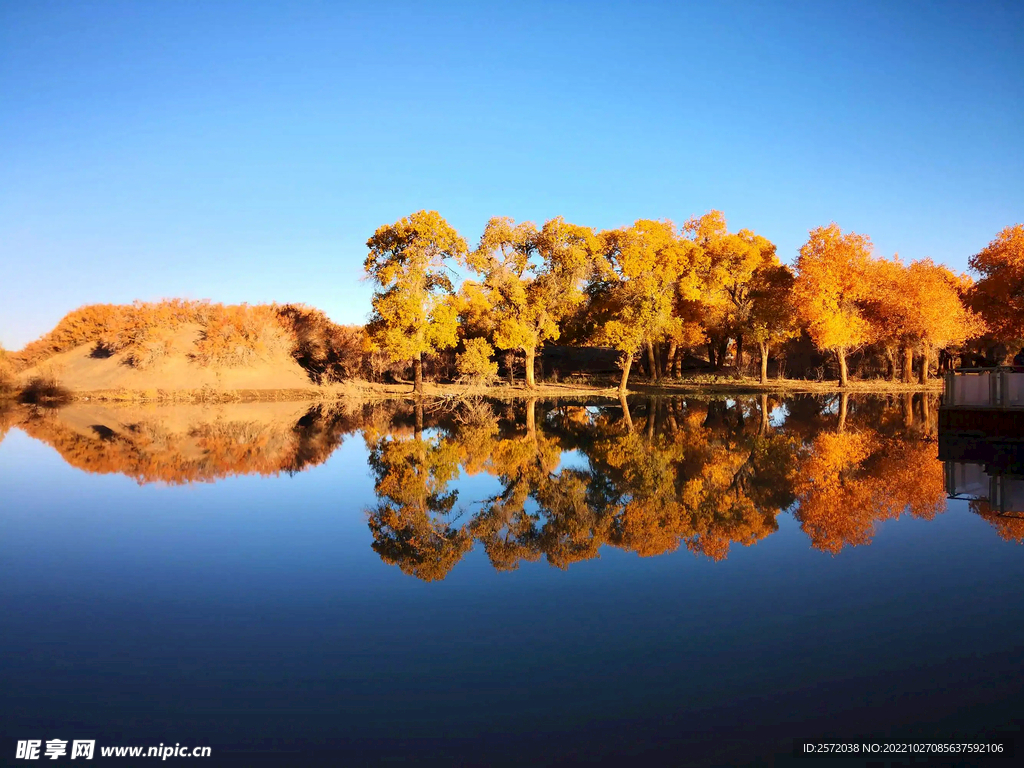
(682, 581)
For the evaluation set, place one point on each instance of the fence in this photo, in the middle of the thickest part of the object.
(985, 388)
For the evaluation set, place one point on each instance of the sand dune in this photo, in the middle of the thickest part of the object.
(82, 370)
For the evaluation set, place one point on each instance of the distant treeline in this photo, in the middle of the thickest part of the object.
(671, 299)
(663, 294)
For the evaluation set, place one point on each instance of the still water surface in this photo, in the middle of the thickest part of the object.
(687, 581)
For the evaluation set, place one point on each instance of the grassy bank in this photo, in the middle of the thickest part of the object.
(364, 390)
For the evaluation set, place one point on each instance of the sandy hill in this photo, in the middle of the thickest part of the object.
(81, 369)
(178, 345)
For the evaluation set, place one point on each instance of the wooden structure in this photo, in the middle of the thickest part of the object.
(981, 437)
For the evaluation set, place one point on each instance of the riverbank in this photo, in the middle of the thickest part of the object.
(368, 391)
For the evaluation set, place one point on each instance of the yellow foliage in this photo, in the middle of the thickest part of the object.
(476, 363)
(412, 313)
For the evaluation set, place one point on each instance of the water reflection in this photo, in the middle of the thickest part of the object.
(564, 478)
(988, 471)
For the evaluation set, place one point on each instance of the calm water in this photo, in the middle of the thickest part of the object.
(686, 581)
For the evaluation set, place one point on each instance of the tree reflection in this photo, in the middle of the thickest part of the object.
(410, 524)
(878, 469)
(564, 479)
(658, 474)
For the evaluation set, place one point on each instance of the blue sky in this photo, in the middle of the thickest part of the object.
(245, 151)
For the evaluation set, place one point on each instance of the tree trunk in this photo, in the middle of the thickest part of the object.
(765, 424)
(908, 364)
(843, 374)
(625, 372)
(711, 355)
(677, 363)
(908, 409)
(844, 400)
(780, 373)
(531, 418)
(723, 348)
(764, 363)
(625, 411)
(652, 362)
(417, 373)
(652, 412)
(739, 354)
(418, 409)
(531, 353)
(670, 358)
(923, 371)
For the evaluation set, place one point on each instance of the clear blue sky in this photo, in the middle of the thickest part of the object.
(245, 151)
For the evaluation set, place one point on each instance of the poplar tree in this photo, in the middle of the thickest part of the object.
(412, 311)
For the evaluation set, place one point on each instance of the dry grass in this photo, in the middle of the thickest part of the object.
(200, 395)
(358, 390)
(713, 383)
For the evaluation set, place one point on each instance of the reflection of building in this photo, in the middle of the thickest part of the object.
(983, 482)
(981, 438)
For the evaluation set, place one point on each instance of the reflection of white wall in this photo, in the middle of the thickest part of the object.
(1005, 494)
(1010, 494)
(969, 480)
(971, 389)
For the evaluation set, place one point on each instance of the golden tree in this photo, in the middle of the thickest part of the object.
(891, 309)
(998, 296)
(771, 319)
(942, 318)
(531, 279)
(649, 267)
(476, 363)
(412, 313)
(727, 264)
(918, 307)
(831, 288)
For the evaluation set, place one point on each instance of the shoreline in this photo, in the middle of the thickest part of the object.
(364, 390)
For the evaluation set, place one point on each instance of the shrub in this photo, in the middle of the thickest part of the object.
(45, 389)
(327, 351)
(241, 335)
(476, 363)
(7, 380)
(115, 328)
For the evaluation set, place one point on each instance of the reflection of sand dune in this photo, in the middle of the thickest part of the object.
(187, 443)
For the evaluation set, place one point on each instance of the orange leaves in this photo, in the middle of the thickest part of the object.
(649, 262)
(850, 481)
(999, 295)
(833, 279)
(241, 335)
(836, 502)
(919, 305)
